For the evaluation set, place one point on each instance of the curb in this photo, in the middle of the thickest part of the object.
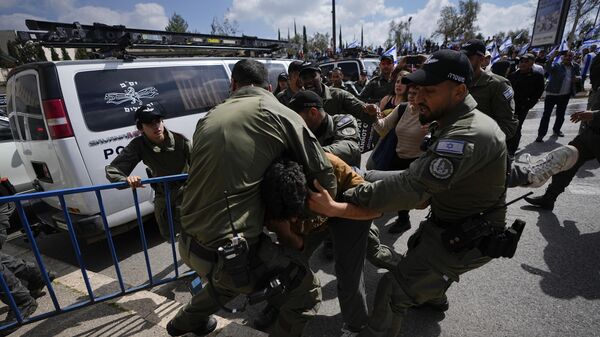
(153, 308)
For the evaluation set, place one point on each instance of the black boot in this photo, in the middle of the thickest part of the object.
(208, 327)
(266, 318)
(402, 223)
(543, 202)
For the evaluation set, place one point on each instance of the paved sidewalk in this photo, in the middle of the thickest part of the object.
(139, 314)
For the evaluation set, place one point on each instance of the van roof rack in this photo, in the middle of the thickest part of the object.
(124, 42)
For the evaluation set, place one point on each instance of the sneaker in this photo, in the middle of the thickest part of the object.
(37, 290)
(541, 202)
(266, 317)
(209, 326)
(555, 161)
(348, 333)
(400, 226)
(27, 309)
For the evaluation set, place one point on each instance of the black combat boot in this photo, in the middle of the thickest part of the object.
(266, 318)
(543, 202)
(208, 327)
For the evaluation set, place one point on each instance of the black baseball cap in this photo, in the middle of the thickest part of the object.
(295, 66)
(309, 66)
(363, 72)
(282, 76)
(386, 57)
(528, 56)
(473, 47)
(305, 99)
(148, 113)
(445, 64)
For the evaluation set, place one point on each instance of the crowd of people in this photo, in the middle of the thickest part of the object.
(290, 164)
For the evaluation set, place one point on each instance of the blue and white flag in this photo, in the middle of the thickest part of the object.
(392, 52)
(495, 55)
(490, 45)
(353, 44)
(524, 49)
(506, 44)
(519, 36)
(564, 46)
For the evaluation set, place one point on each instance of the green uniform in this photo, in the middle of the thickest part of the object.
(494, 97)
(170, 158)
(338, 134)
(338, 101)
(285, 96)
(233, 147)
(463, 173)
(377, 88)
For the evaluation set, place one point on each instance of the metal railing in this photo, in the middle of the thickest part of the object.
(92, 299)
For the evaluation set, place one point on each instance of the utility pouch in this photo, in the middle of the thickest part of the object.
(235, 260)
(466, 235)
(503, 244)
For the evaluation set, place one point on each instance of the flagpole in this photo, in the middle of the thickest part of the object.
(596, 20)
(333, 23)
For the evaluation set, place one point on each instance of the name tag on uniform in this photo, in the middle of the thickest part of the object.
(450, 146)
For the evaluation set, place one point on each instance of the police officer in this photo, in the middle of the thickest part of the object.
(24, 279)
(164, 152)
(294, 83)
(461, 174)
(358, 86)
(382, 84)
(493, 93)
(233, 147)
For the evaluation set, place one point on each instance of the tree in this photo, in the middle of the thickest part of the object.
(226, 27)
(81, 54)
(177, 24)
(304, 40)
(54, 55)
(580, 9)
(398, 34)
(67, 57)
(458, 23)
(319, 42)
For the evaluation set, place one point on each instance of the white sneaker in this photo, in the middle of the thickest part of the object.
(542, 168)
(348, 333)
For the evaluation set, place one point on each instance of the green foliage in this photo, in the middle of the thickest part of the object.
(177, 24)
(66, 56)
(398, 34)
(458, 23)
(226, 27)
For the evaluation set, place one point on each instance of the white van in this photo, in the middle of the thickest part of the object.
(71, 118)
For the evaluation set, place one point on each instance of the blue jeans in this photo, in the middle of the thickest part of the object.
(550, 101)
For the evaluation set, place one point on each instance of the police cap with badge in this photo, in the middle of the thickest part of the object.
(148, 113)
(442, 66)
(474, 47)
(306, 99)
(309, 67)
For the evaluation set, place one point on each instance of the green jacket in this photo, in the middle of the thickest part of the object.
(338, 101)
(463, 171)
(233, 147)
(338, 134)
(171, 157)
(494, 97)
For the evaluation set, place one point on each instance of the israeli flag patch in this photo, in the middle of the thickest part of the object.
(508, 93)
(450, 146)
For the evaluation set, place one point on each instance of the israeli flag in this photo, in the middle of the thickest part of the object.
(506, 44)
(392, 52)
(564, 46)
(353, 44)
(519, 36)
(490, 45)
(524, 49)
(495, 55)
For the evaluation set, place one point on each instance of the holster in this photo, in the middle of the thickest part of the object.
(465, 235)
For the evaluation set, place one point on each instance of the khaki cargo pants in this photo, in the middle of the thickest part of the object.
(296, 307)
(422, 275)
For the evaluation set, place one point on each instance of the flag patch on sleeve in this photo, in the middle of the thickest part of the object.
(450, 146)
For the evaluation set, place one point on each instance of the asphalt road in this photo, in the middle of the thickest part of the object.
(550, 288)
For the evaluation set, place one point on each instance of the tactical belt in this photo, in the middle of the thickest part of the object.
(198, 250)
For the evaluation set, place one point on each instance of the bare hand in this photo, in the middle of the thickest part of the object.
(135, 182)
(372, 109)
(321, 202)
(582, 116)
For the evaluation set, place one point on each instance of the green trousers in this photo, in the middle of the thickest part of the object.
(422, 275)
(296, 307)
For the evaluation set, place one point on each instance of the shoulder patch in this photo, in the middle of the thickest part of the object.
(451, 146)
(348, 131)
(344, 121)
(441, 168)
(508, 93)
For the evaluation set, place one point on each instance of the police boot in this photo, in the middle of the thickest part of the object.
(543, 202)
(267, 317)
(27, 309)
(209, 326)
(402, 223)
(37, 289)
(438, 304)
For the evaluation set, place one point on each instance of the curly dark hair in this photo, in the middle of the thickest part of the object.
(284, 190)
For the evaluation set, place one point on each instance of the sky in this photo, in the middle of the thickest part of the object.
(263, 18)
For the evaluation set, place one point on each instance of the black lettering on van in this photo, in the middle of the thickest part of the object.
(108, 152)
(120, 149)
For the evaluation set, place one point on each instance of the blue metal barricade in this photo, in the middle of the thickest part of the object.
(123, 290)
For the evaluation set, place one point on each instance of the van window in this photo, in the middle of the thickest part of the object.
(109, 98)
(274, 70)
(371, 66)
(27, 108)
(5, 133)
(12, 118)
(325, 69)
(350, 70)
